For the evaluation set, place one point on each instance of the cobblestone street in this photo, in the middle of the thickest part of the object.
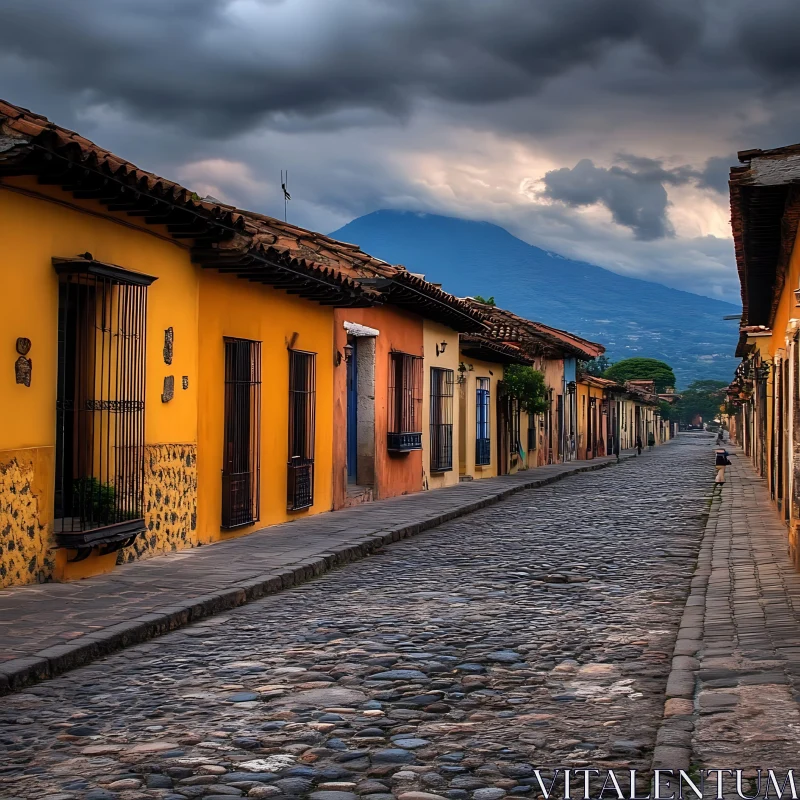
(537, 632)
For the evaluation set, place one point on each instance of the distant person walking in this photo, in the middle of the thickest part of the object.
(720, 463)
(651, 441)
(638, 445)
(720, 437)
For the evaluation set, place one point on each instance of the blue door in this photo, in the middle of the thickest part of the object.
(352, 417)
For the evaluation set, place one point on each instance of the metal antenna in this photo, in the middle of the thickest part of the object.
(286, 195)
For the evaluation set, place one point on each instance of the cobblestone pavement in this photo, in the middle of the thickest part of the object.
(537, 632)
(47, 629)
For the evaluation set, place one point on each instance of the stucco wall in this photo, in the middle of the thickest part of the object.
(39, 223)
(395, 473)
(466, 394)
(240, 309)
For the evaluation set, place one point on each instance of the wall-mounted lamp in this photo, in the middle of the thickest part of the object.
(571, 387)
(797, 297)
(348, 352)
(440, 348)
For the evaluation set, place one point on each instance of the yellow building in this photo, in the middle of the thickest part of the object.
(482, 441)
(151, 399)
(765, 210)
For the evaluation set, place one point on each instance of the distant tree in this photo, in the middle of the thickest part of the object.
(597, 366)
(702, 398)
(527, 386)
(668, 411)
(642, 369)
(487, 301)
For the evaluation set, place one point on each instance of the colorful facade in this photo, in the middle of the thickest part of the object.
(761, 401)
(158, 401)
(178, 372)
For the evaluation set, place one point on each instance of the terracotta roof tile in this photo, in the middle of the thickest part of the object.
(509, 327)
(343, 263)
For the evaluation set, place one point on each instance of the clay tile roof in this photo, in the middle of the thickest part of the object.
(484, 347)
(249, 244)
(536, 337)
(765, 211)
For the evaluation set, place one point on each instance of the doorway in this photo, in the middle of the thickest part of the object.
(352, 413)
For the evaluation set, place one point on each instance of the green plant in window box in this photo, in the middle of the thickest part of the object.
(94, 501)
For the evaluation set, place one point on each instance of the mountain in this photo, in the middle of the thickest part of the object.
(631, 317)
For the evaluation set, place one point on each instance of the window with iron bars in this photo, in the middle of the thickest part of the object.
(516, 444)
(100, 402)
(405, 403)
(302, 415)
(241, 485)
(532, 432)
(483, 443)
(442, 383)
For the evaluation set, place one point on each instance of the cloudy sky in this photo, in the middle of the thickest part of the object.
(598, 129)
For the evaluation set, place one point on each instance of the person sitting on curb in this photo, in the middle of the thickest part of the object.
(720, 463)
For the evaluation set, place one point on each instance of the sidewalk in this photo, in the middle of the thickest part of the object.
(733, 690)
(50, 628)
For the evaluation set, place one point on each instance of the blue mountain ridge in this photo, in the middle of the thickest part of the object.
(631, 317)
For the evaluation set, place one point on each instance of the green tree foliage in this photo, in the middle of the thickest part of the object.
(527, 386)
(703, 398)
(642, 369)
(487, 301)
(668, 412)
(597, 366)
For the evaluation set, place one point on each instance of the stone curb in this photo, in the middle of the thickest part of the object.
(673, 748)
(18, 673)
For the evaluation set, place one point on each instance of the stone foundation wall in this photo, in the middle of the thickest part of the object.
(170, 502)
(25, 554)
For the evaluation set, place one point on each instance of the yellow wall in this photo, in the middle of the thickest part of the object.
(183, 463)
(240, 309)
(33, 230)
(467, 397)
(433, 334)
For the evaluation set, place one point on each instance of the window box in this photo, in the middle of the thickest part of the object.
(405, 403)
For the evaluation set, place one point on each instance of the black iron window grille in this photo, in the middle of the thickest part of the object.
(405, 403)
(516, 444)
(100, 405)
(302, 410)
(442, 383)
(241, 471)
(483, 443)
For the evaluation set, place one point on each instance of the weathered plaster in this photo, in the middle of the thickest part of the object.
(25, 554)
(170, 502)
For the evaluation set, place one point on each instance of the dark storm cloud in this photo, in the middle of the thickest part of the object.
(635, 196)
(226, 65)
(452, 106)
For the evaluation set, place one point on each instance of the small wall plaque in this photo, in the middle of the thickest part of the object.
(169, 339)
(185, 381)
(169, 389)
(22, 368)
(23, 346)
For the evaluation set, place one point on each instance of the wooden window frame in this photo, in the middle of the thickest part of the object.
(442, 391)
(100, 405)
(483, 416)
(404, 428)
(241, 457)
(302, 429)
